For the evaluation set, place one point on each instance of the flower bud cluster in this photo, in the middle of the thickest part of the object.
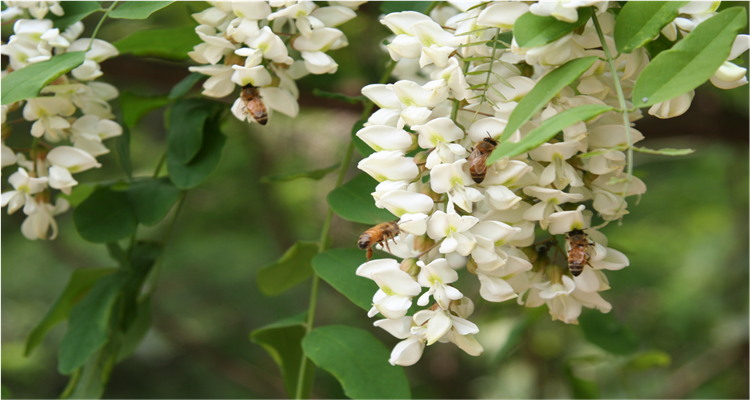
(71, 118)
(250, 43)
(464, 83)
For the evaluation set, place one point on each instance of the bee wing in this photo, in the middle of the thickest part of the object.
(479, 161)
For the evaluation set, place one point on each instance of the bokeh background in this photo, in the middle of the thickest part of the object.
(685, 294)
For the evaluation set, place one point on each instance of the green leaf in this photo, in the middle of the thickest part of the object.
(135, 106)
(648, 360)
(118, 254)
(89, 323)
(26, 82)
(293, 268)
(79, 193)
(152, 199)
(317, 175)
(105, 216)
(142, 259)
(655, 47)
(338, 268)
(138, 9)
(5, 393)
(640, 21)
(532, 30)
(123, 150)
(78, 285)
(136, 332)
(90, 381)
(547, 130)
(547, 88)
(74, 12)
(186, 125)
(339, 96)
(283, 342)
(352, 201)
(169, 43)
(388, 7)
(358, 360)
(184, 86)
(581, 388)
(517, 334)
(362, 147)
(192, 174)
(605, 331)
(691, 61)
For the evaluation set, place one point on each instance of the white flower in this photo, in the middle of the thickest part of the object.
(455, 229)
(439, 323)
(437, 276)
(408, 351)
(402, 202)
(452, 179)
(48, 113)
(566, 221)
(37, 225)
(550, 198)
(7, 157)
(66, 161)
(383, 137)
(89, 131)
(393, 299)
(389, 165)
(21, 197)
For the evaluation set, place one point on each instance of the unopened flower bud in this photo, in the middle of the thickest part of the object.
(414, 146)
(531, 253)
(427, 189)
(234, 59)
(542, 261)
(471, 265)
(423, 243)
(555, 273)
(409, 265)
(421, 160)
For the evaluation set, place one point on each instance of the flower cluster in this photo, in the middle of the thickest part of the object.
(248, 43)
(71, 118)
(461, 78)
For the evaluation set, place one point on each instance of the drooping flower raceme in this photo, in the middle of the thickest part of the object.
(461, 75)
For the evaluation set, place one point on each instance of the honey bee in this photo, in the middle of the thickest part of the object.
(254, 105)
(379, 233)
(478, 158)
(578, 254)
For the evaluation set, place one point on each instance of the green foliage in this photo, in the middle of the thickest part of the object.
(648, 360)
(89, 323)
(187, 121)
(547, 130)
(352, 201)
(605, 331)
(581, 388)
(547, 88)
(532, 30)
(74, 12)
(316, 175)
(169, 43)
(641, 21)
(193, 173)
(184, 86)
(123, 150)
(691, 61)
(81, 280)
(152, 199)
(26, 83)
(135, 106)
(133, 336)
(388, 7)
(658, 45)
(283, 342)
(358, 360)
(90, 381)
(138, 9)
(79, 193)
(338, 267)
(293, 268)
(105, 216)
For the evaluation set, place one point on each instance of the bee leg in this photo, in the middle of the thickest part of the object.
(385, 241)
(369, 253)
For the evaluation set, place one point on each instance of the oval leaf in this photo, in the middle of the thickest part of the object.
(691, 61)
(317, 175)
(80, 282)
(187, 121)
(169, 43)
(135, 106)
(138, 9)
(74, 12)
(358, 360)
(192, 174)
(283, 342)
(544, 90)
(640, 21)
(547, 130)
(105, 216)
(352, 201)
(26, 82)
(89, 321)
(184, 86)
(532, 30)
(338, 267)
(293, 268)
(152, 199)
(133, 336)
(605, 331)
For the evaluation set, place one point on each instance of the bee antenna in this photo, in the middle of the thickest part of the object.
(489, 135)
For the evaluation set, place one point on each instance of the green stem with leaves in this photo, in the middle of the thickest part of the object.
(623, 108)
(323, 244)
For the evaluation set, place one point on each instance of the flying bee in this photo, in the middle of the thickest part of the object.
(380, 233)
(578, 255)
(253, 104)
(478, 158)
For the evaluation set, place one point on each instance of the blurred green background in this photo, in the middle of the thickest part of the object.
(685, 294)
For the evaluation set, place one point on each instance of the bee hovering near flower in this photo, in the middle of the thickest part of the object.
(254, 105)
(478, 158)
(380, 233)
(578, 254)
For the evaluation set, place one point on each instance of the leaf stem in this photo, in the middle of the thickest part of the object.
(154, 278)
(323, 244)
(99, 25)
(623, 107)
(160, 164)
